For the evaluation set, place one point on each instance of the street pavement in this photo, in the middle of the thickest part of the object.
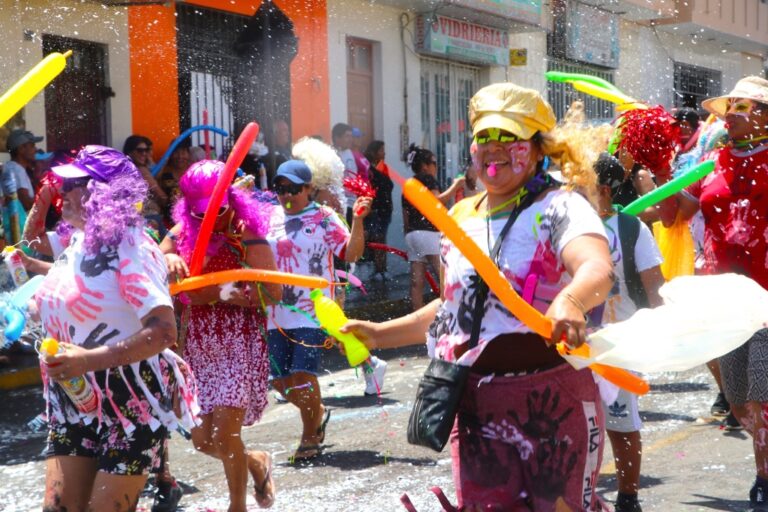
(689, 463)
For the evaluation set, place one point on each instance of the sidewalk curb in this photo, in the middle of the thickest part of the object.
(21, 377)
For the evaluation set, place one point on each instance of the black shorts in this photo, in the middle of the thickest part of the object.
(116, 451)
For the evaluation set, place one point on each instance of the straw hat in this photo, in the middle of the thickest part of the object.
(750, 88)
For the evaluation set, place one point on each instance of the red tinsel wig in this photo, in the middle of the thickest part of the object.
(649, 135)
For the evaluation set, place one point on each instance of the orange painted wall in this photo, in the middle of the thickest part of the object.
(154, 74)
(154, 77)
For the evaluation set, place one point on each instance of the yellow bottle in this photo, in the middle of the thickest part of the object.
(332, 318)
(78, 389)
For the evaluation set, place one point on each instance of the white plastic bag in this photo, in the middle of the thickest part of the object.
(703, 317)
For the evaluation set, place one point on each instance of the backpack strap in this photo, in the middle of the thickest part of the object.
(629, 232)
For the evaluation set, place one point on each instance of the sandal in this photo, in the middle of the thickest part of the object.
(321, 428)
(306, 452)
(266, 499)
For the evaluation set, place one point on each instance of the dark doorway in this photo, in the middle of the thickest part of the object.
(237, 68)
(77, 101)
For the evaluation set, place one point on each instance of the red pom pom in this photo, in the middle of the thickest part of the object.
(359, 187)
(649, 135)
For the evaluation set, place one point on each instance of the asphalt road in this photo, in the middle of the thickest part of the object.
(689, 463)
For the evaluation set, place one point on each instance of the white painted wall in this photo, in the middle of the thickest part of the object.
(88, 21)
(647, 61)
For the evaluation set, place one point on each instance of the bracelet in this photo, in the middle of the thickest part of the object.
(576, 302)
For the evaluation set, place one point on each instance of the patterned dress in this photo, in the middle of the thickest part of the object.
(226, 349)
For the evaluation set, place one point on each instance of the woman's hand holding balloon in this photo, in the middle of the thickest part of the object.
(568, 321)
(177, 267)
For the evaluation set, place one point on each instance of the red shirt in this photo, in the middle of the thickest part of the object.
(734, 202)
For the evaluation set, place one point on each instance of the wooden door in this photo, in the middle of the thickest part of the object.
(360, 88)
(77, 101)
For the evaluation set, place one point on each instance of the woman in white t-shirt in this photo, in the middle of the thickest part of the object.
(529, 430)
(622, 418)
(106, 300)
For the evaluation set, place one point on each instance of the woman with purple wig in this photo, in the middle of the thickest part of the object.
(225, 345)
(106, 300)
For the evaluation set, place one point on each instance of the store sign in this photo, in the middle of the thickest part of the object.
(462, 40)
(592, 35)
(520, 10)
(518, 57)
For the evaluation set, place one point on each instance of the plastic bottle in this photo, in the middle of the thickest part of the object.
(332, 318)
(15, 264)
(78, 388)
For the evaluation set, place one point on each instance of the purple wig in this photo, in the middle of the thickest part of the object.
(114, 198)
(196, 186)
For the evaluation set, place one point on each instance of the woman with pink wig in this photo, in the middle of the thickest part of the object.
(225, 345)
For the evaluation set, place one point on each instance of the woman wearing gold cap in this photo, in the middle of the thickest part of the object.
(529, 431)
(734, 201)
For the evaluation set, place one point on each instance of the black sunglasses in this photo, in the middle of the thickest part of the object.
(290, 188)
(199, 216)
(143, 150)
(70, 184)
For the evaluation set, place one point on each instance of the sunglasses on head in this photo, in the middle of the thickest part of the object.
(222, 211)
(70, 184)
(288, 188)
(496, 135)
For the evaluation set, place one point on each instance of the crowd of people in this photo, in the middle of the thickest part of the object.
(542, 199)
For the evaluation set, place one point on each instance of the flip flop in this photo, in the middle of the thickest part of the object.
(264, 499)
(321, 429)
(307, 452)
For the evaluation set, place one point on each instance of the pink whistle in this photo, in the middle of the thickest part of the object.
(492, 170)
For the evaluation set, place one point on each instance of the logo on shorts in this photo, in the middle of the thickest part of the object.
(617, 410)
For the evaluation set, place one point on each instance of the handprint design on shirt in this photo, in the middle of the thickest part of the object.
(78, 305)
(130, 285)
(739, 229)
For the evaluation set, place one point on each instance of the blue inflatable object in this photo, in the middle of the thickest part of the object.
(14, 311)
(159, 165)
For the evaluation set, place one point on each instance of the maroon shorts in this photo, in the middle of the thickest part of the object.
(529, 442)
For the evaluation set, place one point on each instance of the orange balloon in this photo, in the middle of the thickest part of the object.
(622, 378)
(247, 274)
(426, 202)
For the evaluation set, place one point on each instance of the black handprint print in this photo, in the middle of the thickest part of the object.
(100, 263)
(290, 297)
(316, 260)
(466, 310)
(94, 340)
(542, 423)
(555, 460)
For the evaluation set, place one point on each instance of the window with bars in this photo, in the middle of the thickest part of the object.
(694, 84)
(561, 95)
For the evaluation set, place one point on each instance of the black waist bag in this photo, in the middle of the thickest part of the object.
(442, 386)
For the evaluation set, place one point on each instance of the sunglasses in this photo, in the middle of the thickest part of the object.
(143, 150)
(70, 184)
(222, 211)
(496, 135)
(291, 188)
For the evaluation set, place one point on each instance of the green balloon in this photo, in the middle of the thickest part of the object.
(559, 76)
(670, 188)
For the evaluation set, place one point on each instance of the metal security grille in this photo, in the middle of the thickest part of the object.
(208, 66)
(561, 96)
(235, 67)
(695, 83)
(446, 89)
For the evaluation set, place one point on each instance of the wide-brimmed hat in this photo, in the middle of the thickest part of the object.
(198, 182)
(98, 162)
(750, 88)
(511, 108)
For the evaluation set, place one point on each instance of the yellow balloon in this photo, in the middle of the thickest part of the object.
(32, 83)
(622, 101)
